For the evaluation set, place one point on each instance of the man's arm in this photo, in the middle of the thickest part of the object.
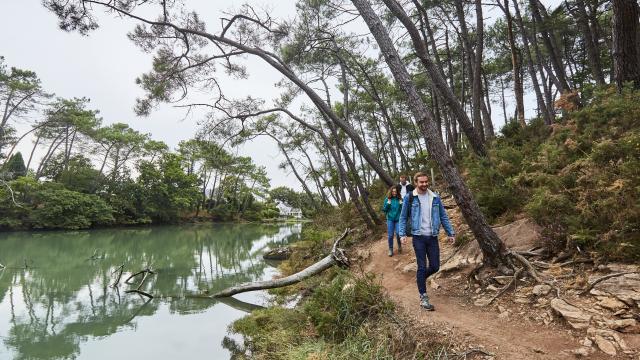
(402, 227)
(444, 220)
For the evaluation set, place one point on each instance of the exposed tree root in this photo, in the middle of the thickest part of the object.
(337, 257)
(577, 261)
(506, 287)
(532, 272)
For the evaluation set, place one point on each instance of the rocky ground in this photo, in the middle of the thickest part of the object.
(557, 319)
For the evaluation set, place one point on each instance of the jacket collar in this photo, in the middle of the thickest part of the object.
(415, 192)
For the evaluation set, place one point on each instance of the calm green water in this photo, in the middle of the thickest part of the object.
(61, 306)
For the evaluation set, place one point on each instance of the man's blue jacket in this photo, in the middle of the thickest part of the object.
(438, 215)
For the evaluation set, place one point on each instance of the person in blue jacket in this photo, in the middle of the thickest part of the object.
(391, 207)
(424, 209)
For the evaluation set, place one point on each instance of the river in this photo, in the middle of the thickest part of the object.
(57, 302)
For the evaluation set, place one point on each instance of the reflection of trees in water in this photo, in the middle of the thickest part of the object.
(66, 298)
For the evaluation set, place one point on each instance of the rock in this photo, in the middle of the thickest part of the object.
(433, 284)
(624, 325)
(410, 267)
(620, 312)
(606, 346)
(503, 280)
(481, 302)
(598, 292)
(576, 317)
(624, 288)
(503, 315)
(612, 304)
(607, 335)
(583, 351)
(501, 309)
(492, 288)
(541, 290)
(587, 342)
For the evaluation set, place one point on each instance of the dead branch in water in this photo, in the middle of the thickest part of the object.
(121, 268)
(144, 272)
(139, 292)
(337, 257)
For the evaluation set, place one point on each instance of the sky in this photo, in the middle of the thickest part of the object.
(104, 65)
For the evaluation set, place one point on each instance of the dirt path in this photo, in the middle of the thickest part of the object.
(511, 338)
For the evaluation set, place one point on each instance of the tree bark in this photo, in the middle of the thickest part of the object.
(626, 64)
(590, 42)
(490, 244)
(518, 88)
(546, 108)
(475, 139)
(548, 42)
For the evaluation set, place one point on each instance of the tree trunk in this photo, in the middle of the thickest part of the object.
(626, 64)
(545, 108)
(518, 88)
(474, 136)
(590, 42)
(548, 42)
(490, 244)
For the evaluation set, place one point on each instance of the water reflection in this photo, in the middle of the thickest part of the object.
(62, 299)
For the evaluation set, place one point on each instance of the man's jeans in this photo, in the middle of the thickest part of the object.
(426, 247)
(392, 228)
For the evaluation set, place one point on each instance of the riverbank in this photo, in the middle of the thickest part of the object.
(372, 310)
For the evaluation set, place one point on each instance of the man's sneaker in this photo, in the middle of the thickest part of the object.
(399, 249)
(390, 252)
(424, 302)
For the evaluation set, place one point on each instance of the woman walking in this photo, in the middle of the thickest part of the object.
(392, 207)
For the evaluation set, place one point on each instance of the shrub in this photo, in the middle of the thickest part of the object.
(65, 209)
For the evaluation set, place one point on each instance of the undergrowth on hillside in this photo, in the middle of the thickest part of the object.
(579, 178)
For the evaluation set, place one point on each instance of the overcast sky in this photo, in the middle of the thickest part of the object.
(104, 65)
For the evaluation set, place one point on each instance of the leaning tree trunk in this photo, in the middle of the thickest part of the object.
(473, 134)
(492, 247)
(626, 66)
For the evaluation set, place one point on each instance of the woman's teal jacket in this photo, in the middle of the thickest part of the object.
(392, 208)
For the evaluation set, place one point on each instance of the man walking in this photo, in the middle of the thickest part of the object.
(404, 187)
(424, 210)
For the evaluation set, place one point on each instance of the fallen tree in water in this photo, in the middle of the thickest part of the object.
(336, 257)
(282, 253)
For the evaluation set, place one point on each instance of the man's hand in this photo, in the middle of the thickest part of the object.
(452, 239)
(403, 240)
